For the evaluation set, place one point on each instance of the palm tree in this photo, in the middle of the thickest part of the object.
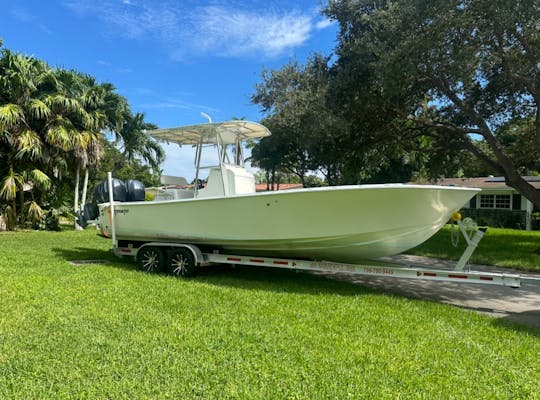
(137, 143)
(92, 109)
(23, 114)
(49, 120)
(52, 125)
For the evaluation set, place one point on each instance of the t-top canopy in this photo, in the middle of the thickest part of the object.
(230, 132)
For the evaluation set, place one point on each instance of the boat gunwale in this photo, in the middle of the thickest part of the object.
(280, 193)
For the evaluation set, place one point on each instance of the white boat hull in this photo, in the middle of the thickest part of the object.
(345, 224)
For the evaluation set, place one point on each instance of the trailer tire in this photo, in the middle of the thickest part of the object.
(150, 259)
(181, 262)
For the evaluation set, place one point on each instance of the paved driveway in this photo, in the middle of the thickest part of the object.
(519, 305)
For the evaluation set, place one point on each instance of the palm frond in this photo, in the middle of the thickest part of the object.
(40, 179)
(34, 212)
(9, 185)
(28, 144)
(59, 136)
(82, 140)
(11, 115)
(65, 103)
(38, 109)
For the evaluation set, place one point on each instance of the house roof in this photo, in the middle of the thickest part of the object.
(488, 182)
(261, 187)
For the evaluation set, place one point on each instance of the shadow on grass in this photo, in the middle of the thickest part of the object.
(300, 282)
(504, 248)
(91, 253)
(498, 301)
(241, 277)
(527, 321)
(288, 281)
(278, 280)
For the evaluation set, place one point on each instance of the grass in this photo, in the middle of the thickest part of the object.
(112, 332)
(500, 247)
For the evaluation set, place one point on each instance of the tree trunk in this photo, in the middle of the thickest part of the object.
(76, 200)
(525, 188)
(21, 205)
(513, 178)
(12, 215)
(85, 187)
(273, 178)
(537, 128)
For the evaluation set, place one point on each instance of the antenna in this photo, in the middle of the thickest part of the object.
(205, 115)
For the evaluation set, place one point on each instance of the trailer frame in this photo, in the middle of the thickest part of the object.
(187, 266)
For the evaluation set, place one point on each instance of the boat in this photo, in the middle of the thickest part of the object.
(226, 215)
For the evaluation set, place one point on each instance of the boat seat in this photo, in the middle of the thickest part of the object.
(237, 181)
(170, 180)
(173, 194)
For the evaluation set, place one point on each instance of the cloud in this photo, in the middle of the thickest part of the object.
(239, 33)
(188, 29)
(175, 101)
(324, 23)
(178, 101)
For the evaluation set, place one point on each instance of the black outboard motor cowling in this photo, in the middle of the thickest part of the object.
(101, 192)
(90, 211)
(135, 190)
(130, 190)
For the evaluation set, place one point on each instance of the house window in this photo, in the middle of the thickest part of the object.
(502, 201)
(487, 200)
(496, 201)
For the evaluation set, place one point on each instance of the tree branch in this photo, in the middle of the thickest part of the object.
(514, 76)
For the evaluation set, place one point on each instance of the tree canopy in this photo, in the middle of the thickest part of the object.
(417, 83)
(460, 69)
(52, 125)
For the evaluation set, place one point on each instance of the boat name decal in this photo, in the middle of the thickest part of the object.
(352, 268)
(120, 211)
(378, 271)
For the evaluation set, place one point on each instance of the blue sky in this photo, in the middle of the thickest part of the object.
(171, 59)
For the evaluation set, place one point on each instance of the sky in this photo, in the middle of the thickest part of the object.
(171, 59)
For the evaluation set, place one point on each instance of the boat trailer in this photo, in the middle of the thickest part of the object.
(183, 259)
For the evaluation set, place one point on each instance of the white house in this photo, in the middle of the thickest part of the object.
(498, 197)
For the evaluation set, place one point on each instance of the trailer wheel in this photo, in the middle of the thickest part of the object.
(150, 259)
(181, 262)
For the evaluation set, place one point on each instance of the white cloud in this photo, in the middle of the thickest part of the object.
(240, 33)
(324, 23)
(186, 29)
(166, 102)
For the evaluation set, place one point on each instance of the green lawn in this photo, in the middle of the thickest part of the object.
(501, 247)
(112, 332)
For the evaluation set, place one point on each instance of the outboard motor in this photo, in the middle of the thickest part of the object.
(130, 190)
(134, 190)
(90, 211)
(99, 195)
(101, 192)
